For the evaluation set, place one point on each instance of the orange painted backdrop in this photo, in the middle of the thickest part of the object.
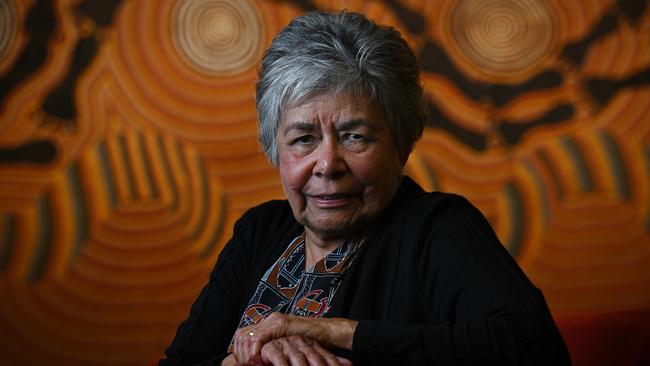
(128, 149)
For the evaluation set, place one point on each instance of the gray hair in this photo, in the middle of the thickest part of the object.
(329, 53)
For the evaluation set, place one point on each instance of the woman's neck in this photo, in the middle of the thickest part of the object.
(317, 248)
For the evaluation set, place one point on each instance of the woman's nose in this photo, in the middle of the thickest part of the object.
(329, 162)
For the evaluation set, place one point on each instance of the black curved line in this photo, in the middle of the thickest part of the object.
(147, 166)
(434, 59)
(413, 21)
(619, 168)
(542, 188)
(502, 94)
(603, 90)
(512, 131)
(40, 24)
(44, 237)
(551, 169)
(306, 5)
(106, 173)
(80, 210)
(438, 120)
(633, 9)
(101, 12)
(123, 155)
(576, 155)
(61, 102)
(189, 193)
(36, 152)
(167, 169)
(576, 51)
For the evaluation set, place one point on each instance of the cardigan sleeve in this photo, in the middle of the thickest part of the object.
(480, 307)
(203, 338)
(497, 340)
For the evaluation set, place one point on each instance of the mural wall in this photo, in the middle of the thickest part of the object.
(128, 149)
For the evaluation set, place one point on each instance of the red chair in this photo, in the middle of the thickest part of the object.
(608, 338)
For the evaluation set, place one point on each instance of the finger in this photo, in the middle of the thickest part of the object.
(253, 349)
(328, 357)
(254, 338)
(244, 348)
(295, 355)
(306, 347)
(344, 361)
(236, 347)
(272, 354)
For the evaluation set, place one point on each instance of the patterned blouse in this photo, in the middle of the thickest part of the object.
(288, 288)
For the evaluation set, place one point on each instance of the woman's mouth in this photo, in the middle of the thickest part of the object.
(329, 201)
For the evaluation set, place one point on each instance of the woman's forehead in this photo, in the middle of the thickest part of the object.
(343, 94)
(332, 108)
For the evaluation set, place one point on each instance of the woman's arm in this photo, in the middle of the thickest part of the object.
(206, 333)
(474, 305)
(497, 340)
(258, 238)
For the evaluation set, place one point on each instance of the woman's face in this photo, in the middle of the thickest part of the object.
(338, 163)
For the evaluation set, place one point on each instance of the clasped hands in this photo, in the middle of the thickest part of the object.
(281, 339)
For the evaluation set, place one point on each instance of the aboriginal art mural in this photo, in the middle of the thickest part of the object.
(128, 149)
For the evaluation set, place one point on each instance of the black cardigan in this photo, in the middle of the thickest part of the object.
(431, 286)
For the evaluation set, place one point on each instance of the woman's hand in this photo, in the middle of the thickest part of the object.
(249, 340)
(299, 351)
(330, 333)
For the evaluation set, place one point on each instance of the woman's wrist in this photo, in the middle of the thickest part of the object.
(343, 331)
(329, 332)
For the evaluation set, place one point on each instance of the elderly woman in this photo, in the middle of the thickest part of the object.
(359, 264)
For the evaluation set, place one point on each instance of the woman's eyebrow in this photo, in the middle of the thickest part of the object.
(353, 124)
(300, 126)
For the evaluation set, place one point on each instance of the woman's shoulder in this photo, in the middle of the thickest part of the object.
(441, 217)
(269, 208)
(263, 230)
(448, 214)
(268, 214)
(413, 200)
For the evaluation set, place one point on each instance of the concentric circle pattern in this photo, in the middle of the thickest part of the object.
(218, 37)
(8, 27)
(503, 36)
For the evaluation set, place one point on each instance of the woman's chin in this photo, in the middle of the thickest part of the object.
(334, 228)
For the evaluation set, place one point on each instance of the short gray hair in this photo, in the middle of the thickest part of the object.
(328, 53)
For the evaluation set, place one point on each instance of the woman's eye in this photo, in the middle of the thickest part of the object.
(306, 139)
(354, 137)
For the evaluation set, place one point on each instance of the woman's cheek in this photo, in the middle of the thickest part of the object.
(294, 173)
(367, 171)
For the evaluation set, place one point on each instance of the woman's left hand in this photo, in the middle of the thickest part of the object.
(329, 333)
(298, 350)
